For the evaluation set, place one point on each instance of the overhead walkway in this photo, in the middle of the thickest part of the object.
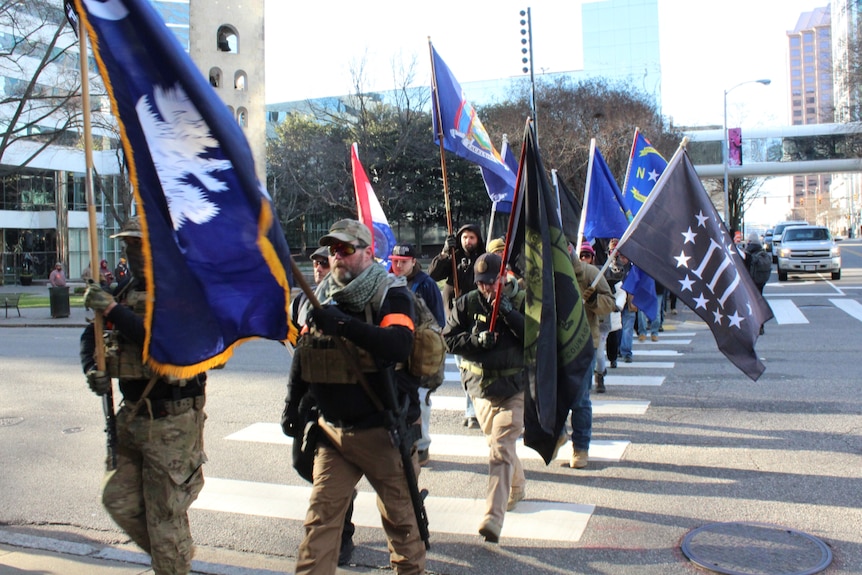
(781, 151)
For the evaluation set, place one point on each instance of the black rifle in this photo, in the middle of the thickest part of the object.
(397, 425)
(110, 427)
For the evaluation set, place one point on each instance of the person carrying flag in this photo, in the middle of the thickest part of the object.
(160, 425)
(464, 247)
(493, 372)
(356, 411)
(598, 301)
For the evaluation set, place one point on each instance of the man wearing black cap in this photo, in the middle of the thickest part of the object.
(358, 442)
(492, 372)
(405, 264)
(160, 425)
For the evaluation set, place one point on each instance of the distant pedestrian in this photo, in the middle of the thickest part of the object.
(57, 277)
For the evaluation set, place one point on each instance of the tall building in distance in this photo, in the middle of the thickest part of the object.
(811, 98)
(226, 41)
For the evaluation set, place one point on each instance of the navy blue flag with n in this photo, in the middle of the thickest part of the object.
(216, 259)
(678, 239)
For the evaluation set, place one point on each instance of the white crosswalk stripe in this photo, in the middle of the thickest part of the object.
(531, 520)
(850, 306)
(786, 312)
(555, 521)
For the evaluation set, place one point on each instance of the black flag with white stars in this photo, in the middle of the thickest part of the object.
(678, 239)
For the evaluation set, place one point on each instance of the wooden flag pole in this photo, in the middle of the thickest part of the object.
(509, 231)
(436, 94)
(98, 319)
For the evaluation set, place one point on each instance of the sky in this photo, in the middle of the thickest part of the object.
(706, 47)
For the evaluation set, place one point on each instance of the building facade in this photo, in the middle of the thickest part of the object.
(811, 100)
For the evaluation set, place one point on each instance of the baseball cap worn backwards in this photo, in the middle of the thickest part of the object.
(487, 268)
(403, 252)
(131, 229)
(347, 231)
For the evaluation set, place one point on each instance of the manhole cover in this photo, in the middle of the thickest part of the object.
(756, 549)
(7, 421)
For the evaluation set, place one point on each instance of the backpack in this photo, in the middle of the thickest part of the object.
(760, 267)
(428, 357)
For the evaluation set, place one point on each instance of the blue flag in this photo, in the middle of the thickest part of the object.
(217, 263)
(645, 167)
(501, 190)
(679, 239)
(642, 289)
(462, 131)
(605, 212)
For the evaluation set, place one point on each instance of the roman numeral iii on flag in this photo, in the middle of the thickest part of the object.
(678, 238)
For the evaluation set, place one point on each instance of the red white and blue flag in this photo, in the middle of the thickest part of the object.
(217, 263)
(369, 209)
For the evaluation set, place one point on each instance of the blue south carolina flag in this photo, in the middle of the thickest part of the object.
(217, 261)
(457, 121)
(605, 217)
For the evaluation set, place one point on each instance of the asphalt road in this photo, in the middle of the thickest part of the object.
(696, 443)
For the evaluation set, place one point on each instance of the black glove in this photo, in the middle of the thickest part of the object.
(290, 420)
(96, 298)
(505, 305)
(330, 320)
(487, 339)
(450, 244)
(98, 381)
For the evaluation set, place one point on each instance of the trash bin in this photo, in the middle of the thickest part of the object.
(59, 297)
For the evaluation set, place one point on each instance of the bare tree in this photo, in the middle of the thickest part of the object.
(40, 99)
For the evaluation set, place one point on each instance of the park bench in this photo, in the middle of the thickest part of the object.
(10, 300)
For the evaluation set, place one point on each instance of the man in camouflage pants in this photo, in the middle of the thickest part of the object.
(159, 426)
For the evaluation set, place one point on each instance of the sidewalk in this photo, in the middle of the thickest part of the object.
(41, 316)
(23, 553)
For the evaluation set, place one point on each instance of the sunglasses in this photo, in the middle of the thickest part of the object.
(345, 250)
(321, 264)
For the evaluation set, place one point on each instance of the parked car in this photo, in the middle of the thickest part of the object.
(808, 249)
(767, 241)
(779, 228)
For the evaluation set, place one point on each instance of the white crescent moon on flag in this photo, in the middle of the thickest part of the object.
(107, 10)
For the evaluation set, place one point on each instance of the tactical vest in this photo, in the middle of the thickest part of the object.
(123, 357)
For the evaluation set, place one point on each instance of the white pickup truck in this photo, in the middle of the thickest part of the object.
(806, 250)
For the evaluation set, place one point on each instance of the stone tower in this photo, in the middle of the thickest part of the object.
(226, 41)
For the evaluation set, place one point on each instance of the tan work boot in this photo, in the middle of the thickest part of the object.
(490, 530)
(579, 459)
(514, 497)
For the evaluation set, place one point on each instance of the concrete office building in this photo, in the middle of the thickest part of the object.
(43, 208)
(811, 102)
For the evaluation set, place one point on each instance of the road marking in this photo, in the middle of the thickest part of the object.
(604, 407)
(638, 380)
(786, 312)
(657, 352)
(851, 306)
(645, 365)
(664, 340)
(546, 520)
(444, 445)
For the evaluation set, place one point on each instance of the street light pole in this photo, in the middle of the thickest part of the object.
(725, 145)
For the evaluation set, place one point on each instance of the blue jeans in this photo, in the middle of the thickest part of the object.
(627, 333)
(582, 413)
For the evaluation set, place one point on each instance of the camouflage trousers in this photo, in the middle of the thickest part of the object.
(158, 476)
